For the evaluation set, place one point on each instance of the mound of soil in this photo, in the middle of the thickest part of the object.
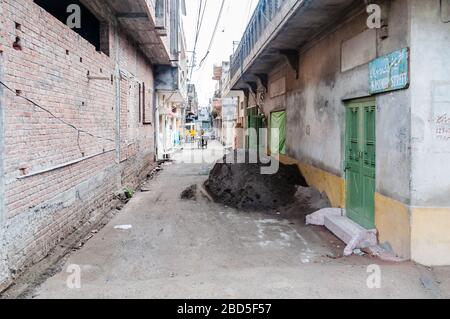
(190, 193)
(311, 198)
(243, 186)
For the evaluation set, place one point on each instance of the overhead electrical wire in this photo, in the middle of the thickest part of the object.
(211, 42)
(196, 38)
(200, 17)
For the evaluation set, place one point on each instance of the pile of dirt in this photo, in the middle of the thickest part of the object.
(243, 186)
(310, 199)
(190, 193)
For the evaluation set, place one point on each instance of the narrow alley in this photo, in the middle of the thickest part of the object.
(199, 249)
(225, 149)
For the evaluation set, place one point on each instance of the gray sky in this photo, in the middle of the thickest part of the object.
(235, 16)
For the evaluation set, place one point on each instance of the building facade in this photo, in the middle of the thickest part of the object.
(171, 87)
(216, 103)
(361, 96)
(226, 104)
(192, 107)
(77, 115)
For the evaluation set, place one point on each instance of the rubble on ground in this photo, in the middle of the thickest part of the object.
(383, 252)
(190, 193)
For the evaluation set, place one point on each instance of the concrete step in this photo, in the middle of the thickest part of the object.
(318, 218)
(354, 235)
(343, 227)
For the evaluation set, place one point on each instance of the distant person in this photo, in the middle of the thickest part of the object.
(203, 139)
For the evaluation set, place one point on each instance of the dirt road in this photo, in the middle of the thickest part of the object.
(199, 249)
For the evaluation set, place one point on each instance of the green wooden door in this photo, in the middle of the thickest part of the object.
(252, 138)
(278, 142)
(360, 162)
(255, 141)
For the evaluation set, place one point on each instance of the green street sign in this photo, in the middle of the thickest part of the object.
(390, 72)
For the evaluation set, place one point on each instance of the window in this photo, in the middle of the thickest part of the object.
(141, 95)
(160, 13)
(91, 29)
(147, 105)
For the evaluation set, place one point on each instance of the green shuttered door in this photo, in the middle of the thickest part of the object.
(255, 139)
(360, 162)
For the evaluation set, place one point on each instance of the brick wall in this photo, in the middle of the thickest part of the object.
(3, 267)
(56, 176)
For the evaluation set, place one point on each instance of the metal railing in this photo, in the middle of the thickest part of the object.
(264, 13)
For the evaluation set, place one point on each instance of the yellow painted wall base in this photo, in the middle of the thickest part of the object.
(421, 234)
(332, 185)
(393, 224)
(430, 236)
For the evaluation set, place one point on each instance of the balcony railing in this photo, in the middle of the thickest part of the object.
(264, 13)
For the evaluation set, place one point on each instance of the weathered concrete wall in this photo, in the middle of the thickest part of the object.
(56, 177)
(315, 107)
(315, 104)
(430, 107)
(393, 167)
(413, 125)
(430, 120)
(393, 171)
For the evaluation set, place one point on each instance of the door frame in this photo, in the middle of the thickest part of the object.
(361, 103)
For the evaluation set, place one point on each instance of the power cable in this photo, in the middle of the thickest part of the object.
(200, 17)
(213, 35)
(195, 39)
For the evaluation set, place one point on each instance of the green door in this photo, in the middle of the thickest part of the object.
(278, 143)
(360, 162)
(252, 141)
(255, 140)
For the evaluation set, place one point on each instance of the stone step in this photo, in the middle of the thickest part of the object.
(343, 227)
(352, 234)
(318, 218)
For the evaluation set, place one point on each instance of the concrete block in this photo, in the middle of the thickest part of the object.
(318, 218)
(344, 228)
(350, 233)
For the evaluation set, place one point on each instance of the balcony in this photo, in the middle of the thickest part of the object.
(161, 17)
(278, 30)
(168, 80)
(138, 19)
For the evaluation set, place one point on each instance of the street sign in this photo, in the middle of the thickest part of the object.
(390, 72)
